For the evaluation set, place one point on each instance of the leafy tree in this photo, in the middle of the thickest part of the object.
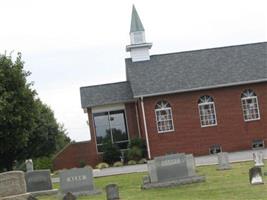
(28, 128)
(16, 110)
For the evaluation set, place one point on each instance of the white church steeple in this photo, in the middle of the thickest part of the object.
(139, 48)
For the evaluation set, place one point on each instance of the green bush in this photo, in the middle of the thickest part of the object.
(82, 163)
(43, 163)
(135, 153)
(102, 165)
(142, 161)
(111, 153)
(139, 143)
(131, 162)
(118, 164)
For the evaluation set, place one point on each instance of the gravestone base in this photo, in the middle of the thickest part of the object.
(84, 193)
(44, 192)
(17, 197)
(173, 183)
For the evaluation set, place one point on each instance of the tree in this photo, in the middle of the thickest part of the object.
(27, 126)
(47, 136)
(16, 109)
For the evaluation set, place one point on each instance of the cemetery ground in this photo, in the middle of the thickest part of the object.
(230, 184)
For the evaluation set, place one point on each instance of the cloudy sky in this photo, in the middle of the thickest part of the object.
(67, 44)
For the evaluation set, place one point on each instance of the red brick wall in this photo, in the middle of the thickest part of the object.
(74, 153)
(131, 120)
(232, 132)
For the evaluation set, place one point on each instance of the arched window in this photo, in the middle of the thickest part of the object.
(164, 119)
(250, 105)
(207, 111)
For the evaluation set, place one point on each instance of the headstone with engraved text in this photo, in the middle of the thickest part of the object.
(38, 180)
(13, 184)
(78, 181)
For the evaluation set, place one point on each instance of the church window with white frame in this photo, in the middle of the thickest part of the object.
(207, 111)
(164, 118)
(250, 105)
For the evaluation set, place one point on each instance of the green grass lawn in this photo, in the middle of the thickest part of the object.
(220, 185)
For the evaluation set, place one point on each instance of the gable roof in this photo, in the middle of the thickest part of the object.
(106, 94)
(200, 69)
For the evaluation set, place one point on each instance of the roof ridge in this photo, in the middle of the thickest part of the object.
(104, 84)
(205, 49)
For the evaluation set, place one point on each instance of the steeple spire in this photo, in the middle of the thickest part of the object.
(139, 48)
(136, 24)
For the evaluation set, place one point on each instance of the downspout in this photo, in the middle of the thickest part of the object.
(144, 118)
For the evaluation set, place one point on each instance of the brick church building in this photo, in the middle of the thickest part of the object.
(200, 102)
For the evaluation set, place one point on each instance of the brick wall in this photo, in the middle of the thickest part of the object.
(232, 132)
(74, 153)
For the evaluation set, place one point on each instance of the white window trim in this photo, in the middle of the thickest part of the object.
(165, 131)
(246, 98)
(203, 104)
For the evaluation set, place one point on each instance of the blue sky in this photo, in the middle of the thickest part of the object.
(68, 44)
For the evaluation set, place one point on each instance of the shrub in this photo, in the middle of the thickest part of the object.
(43, 163)
(118, 164)
(142, 161)
(82, 163)
(131, 162)
(141, 144)
(135, 153)
(102, 165)
(111, 153)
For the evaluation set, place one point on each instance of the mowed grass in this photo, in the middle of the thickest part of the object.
(220, 185)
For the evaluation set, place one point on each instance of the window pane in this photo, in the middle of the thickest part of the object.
(118, 126)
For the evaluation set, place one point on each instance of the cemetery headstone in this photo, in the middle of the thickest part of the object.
(169, 170)
(191, 165)
(29, 165)
(78, 181)
(13, 184)
(152, 171)
(223, 161)
(258, 159)
(112, 192)
(171, 167)
(38, 180)
(255, 176)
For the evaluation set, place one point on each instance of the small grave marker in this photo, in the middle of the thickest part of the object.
(223, 161)
(255, 176)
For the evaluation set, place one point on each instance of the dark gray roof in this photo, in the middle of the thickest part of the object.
(200, 69)
(105, 94)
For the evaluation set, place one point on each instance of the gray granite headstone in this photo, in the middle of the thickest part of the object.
(112, 192)
(255, 176)
(38, 180)
(29, 165)
(191, 165)
(258, 159)
(223, 161)
(171, 167)
(78, 181)
(13, 183)
(152, 171)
